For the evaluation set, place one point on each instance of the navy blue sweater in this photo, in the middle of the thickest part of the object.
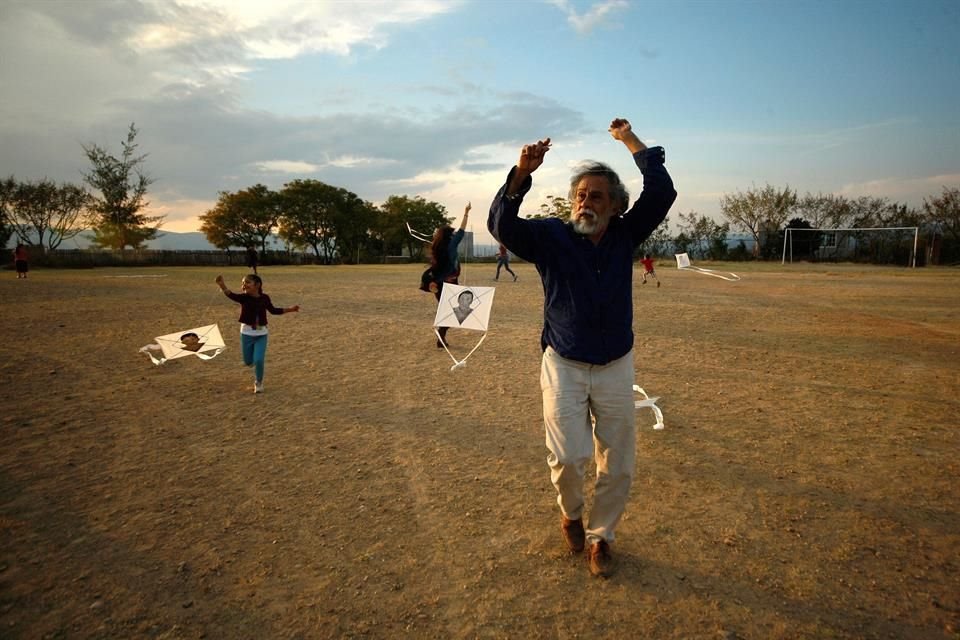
(588, 289)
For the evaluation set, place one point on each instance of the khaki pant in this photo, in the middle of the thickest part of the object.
(572, 391)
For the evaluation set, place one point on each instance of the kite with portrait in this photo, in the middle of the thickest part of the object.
(204, 342)
(463, 307)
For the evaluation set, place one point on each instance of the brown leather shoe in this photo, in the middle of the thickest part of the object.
(601, 562)
(573, 533)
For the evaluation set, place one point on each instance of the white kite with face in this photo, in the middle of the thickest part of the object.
(462, 307)
(204, 342)
(683, 263)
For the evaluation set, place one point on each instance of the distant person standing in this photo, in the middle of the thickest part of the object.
(647, 263)
(20, 258)
(503, 260)
(252, 259)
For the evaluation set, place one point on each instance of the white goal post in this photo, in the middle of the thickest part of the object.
(788, 238)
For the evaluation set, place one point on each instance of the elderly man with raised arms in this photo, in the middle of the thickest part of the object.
(586, 266)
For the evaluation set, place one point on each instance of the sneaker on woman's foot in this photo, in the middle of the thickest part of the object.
(258, 387)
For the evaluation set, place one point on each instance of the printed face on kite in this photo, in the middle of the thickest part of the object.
(191, 342)
(464, 300)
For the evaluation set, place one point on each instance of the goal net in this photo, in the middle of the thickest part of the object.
(874, 245)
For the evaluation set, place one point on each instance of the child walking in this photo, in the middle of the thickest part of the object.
(647, 263)
(20, 261)
(254, 305)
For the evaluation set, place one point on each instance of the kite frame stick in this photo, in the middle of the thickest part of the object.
(649, 402)
(458, 363)
(417, 235)
(153, 358)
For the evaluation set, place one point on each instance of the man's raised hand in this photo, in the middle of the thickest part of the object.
(531, 156)
(619, 128)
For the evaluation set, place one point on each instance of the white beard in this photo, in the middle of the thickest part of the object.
(588, 224)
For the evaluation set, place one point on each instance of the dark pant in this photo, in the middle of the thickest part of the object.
(504, 262)
(443, 330)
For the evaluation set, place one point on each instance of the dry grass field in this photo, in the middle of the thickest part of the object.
(806, 484)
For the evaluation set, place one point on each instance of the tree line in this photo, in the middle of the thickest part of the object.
(43, 213)
(308, 215)
(333, 223)
(763, 213)
(337, 225)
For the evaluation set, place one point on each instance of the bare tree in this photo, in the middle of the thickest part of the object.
(704, 238)
(659, 242)
(828, 211)
(759, 212)
(944, 211)
(554, 207)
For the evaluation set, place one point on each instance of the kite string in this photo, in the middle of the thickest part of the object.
(729, 277)
(206, 311)
(458, 363)
(158, 361)
(683, 264)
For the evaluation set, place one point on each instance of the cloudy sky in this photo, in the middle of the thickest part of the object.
(435, 97)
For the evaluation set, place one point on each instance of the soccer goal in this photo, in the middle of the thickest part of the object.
(879, 245)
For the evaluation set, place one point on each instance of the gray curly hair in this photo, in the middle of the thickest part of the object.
(618, 191)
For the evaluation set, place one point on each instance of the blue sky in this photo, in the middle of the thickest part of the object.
(436, 98)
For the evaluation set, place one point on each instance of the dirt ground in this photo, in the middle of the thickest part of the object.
(806, 484)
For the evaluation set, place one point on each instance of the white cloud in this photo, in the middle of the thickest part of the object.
(909, 190)
(596, 16)
(105, 51)
(286, 166)
(339, 162)
(282, 29)
(177, 70)
(351, 161)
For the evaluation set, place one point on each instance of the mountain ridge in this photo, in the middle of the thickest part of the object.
(165, 241)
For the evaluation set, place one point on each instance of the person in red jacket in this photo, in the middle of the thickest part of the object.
(20, 261)
(647, 263)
